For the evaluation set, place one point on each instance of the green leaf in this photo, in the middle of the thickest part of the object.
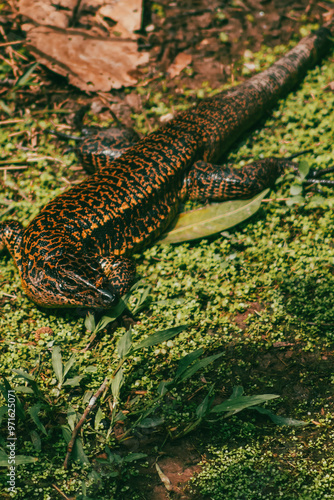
(73, 382)
(98, 417)
(117, 383)
(57, 363)
(114, 458)
(24, 389)
(78, 452)
(68, 365)
(23, 374)
(36, 440)
(317, 200)
(132, 457)
(236, 404)
(5, 108)
(238, 391)
(24, 459)
(33, 412)
(213, 218)
(18, 405)
(3, 412)
(198, 365)
(223, 37)
(143, 300)
(30, 379)
(71, 417)
(296, 189)
(25, 77)
(163, 387)
(280, 420)
(295, 200)
(158, 337)
(112, 315)
(204, 407)
(187, 360)
(124, 344)
(19, 459)
(151, 423)
(67, 433)
(90, 322)
(303, 168)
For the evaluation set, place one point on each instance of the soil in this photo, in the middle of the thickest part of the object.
(193, 27)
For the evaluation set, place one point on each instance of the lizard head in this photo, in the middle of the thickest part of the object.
(68, 281)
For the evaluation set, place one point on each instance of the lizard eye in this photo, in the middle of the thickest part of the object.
(66, 282)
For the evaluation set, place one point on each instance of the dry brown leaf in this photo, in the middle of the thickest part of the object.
(181, 61)
(328, 16)
(90, 63)
(45, 12)
(330, 86)
(127, 13)
(102, 57)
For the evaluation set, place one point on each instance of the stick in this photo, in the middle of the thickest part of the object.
(81, 421)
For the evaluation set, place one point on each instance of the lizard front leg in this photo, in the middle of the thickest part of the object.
(206, 181)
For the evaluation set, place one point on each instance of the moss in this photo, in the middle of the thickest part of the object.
(281, 466)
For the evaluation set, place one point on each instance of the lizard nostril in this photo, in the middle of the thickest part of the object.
(109, 296)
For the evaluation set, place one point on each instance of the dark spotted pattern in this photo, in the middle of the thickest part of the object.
(244, 182)
(99, 148)
(76, 251)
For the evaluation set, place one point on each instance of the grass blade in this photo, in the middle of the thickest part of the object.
(278, 420)
(57, 363)
(187, 360)
(124, 344)
(203, 363)
(34, 411)
(25, 77)
(159, 337)
(117, 383)
(68, 365)
(234, 405)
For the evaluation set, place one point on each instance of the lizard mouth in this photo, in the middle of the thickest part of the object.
(108, 297)
(68, 285)
(97, 294)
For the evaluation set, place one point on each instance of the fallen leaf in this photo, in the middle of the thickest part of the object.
(211, 219)
(45, 12)
(330, 87)
(90, 63)
(164, 478)
(100, 57)
(127, 13)
(181, 61)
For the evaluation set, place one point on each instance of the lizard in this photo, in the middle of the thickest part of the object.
(77, 250)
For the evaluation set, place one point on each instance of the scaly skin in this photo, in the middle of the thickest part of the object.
(76, 251)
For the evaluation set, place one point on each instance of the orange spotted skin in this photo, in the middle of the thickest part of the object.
(77, 251)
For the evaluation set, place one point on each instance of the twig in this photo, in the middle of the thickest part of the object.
(59, 491)
(104, 98)
(9, 295)
(82, 419)
(14, 120)
(14, 168)
(11, 43)
(269, 200)
(8, 81)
